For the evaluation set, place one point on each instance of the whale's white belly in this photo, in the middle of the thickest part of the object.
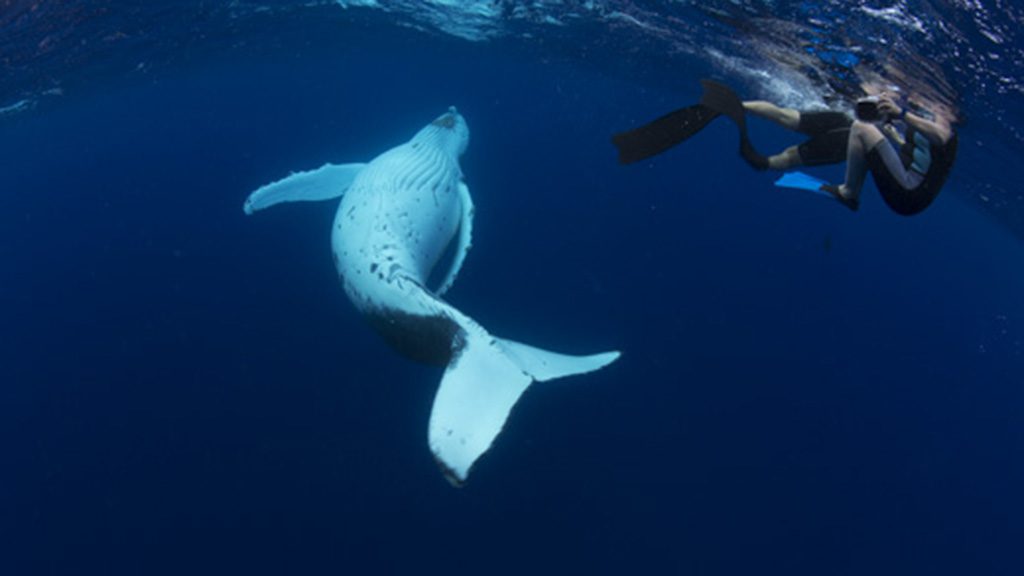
(393, 225)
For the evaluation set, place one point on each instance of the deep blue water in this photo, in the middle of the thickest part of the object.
(802, 390)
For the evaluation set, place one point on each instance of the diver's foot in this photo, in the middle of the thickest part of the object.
(756, 160)
(840, 194)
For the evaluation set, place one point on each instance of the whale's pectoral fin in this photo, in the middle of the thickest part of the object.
(483, 381)
(465, 239)
(327, 182)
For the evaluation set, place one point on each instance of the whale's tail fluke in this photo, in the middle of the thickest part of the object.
(484, 379)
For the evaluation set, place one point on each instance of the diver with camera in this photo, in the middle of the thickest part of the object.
(909, 166)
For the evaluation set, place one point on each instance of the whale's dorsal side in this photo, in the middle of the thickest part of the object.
(327, 182)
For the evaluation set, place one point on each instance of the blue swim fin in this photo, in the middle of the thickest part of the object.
(801, 181)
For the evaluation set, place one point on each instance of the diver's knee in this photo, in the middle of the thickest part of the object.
(864, 135)
(860, 127)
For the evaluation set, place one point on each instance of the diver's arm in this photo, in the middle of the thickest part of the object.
(937, 131)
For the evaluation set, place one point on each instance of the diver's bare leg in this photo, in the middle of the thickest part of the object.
(785, 117)
(863, 137)
(785, 160)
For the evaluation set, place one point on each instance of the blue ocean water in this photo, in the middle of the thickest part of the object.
(802, 390)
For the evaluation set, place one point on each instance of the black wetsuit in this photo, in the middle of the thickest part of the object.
(907, 188)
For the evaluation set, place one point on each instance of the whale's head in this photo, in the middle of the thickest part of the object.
(448, 132)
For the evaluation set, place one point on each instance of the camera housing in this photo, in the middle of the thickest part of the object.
(866, 109)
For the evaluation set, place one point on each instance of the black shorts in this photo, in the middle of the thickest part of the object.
(829, 134)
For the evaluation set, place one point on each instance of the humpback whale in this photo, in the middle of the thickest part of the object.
(399, 213)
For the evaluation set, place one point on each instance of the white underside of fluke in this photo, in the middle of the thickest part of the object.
(480, 387)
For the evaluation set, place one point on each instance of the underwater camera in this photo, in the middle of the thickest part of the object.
(866, 109)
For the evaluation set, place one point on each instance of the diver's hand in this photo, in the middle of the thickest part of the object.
(889, 109)
(891, 132)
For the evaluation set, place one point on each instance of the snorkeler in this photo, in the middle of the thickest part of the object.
(828, 131)
(908, 177)
(909, 166)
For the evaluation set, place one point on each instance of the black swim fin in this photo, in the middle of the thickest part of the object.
(659, 135)
(723, 100)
